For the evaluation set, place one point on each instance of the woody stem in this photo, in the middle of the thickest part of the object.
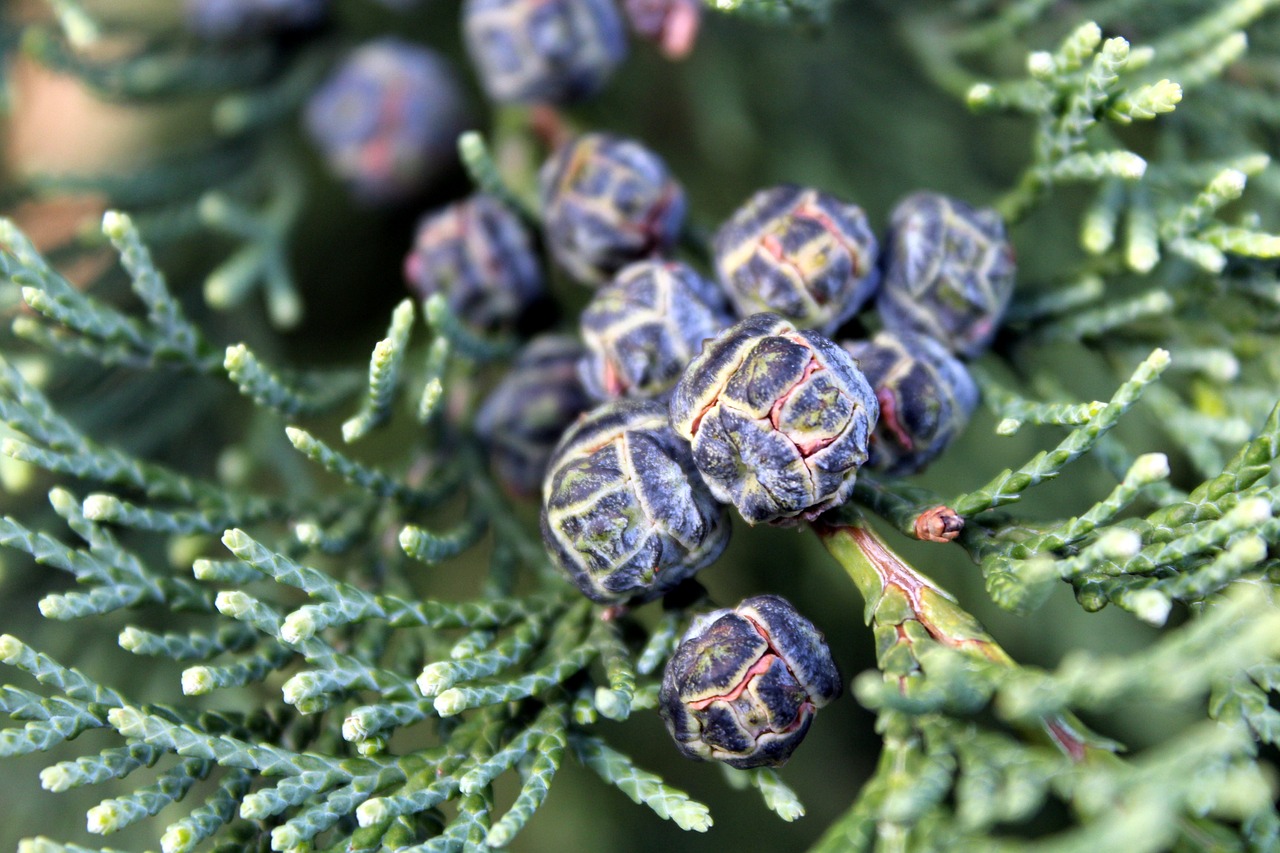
(876, 570)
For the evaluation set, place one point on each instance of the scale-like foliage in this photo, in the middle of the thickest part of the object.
(335, 547)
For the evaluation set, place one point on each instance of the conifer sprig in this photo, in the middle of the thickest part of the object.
(387, 712)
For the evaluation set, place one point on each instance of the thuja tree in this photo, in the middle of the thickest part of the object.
(299, 596)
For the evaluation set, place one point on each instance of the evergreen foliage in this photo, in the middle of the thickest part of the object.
(335, 548)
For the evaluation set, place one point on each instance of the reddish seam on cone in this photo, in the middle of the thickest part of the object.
(806, 448)
(697, 422)
(889, 417)
(612, 383)
(653, 241)
(776, 409)
(760, 667)
(807, 709)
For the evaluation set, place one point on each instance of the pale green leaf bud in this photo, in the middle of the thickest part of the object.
(1127, 165)
(1250, 550)
(1151, 606)
(177, 839)
(449, 702)
(16, 476)
(584, 713)
(1119, 544)
(197, 680)
(10, 648)
(300, 688)
(62, 501)
(55, 779)
(353, 729)
(234, 466)
(1116, 49)
(102, 507)
(1250, 512)
(1150, 468)
(372, 812)
(1008, 426)
(103, 819)
(435, 679)
(1223, 367)
(116, 225)
(370, 747)
(54, 607)
(611, 705)
(131, 639)
(1142, 257)
(307, 532)
(124, 719)
(233, 603)
(298, 626)
(1040, 65)
(36, 372)
(285, 838)
(979, 95)
(1229, 183)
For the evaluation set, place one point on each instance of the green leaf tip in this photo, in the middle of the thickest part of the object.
(471, 146)
(1250, 550)
(1151, 606)
(353, 729)
(178, 839)
(286, 838)
(130, 639)
(236, 357)
(36, 298)
(102, 507)
(55, 779)
(435, 678)
(237, 541)
(116, 225)
(372, 812)
(980, 96)
(298, 626)
(103, 819)
(10, 648)
(1040, 64)
(450, 702)
(1147, 102)
(780, 799)
(197, 681)
(1251, 511)
(203, 569)
(233, 603)
(1118, 544)
(300, 687)
(611, 705)
(409, 538)
(1150, 468)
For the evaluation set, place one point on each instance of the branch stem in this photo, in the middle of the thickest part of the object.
(887, 582)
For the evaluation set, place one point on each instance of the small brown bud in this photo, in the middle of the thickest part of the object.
(940, 524)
